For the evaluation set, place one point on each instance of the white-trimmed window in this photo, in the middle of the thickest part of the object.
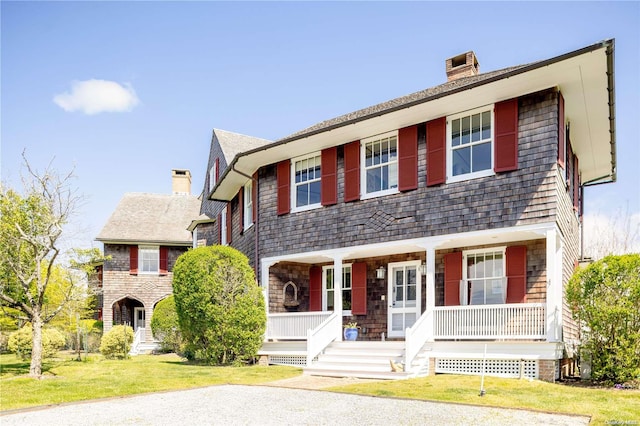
(470, 144)
(328, 289)
(223, 227)
(305, 182)
(248, 204)
(148, 259)
(484, 281)
(380, 165)
(213, 175)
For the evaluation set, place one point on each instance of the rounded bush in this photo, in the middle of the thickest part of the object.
(21, 342)
(220, 307)
(165, 326)
(116, 343)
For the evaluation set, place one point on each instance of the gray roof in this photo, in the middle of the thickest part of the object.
(235, 143)
(151, 218)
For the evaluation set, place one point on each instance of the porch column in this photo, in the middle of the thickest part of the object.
(264, 281)
(337, 289)
(430, 290)
(554, 287)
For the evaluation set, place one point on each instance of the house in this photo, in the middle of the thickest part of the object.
(143, 238)
(453, 216)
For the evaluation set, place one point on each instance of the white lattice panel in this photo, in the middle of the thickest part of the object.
(493, 367)
(293, 360)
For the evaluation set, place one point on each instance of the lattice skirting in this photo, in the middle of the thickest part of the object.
(293, 360)
(493, 367)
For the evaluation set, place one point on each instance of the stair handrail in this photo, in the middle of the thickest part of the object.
(137, 338)
(415, 338)
(321, 336)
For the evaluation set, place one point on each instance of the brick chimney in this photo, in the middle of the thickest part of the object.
(463, 65)
(181, 182)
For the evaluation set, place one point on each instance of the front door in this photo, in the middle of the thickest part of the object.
(405, 285)
(138, 318)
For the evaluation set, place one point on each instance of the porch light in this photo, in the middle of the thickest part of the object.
(380, 272)
(423, 269)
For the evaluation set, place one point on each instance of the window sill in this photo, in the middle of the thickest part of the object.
(380, 193)
(306, 208)
(470, 176)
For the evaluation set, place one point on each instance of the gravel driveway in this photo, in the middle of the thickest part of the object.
(263, 405)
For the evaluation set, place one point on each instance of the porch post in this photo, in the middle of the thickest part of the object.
(337, 289)
(554, 287)
(264, 281)
(431, 291)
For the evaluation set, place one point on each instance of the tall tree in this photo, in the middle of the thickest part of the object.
(31, 225)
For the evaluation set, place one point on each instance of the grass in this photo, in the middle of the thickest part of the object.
(66, 380)
(604, 406)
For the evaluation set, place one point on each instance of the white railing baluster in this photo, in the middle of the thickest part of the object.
(293, 325)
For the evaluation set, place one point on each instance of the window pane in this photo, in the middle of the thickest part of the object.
(482, 157)
(329, 300)
(466, 130)
(346, 278)
(316, 174)
(455, 132)
(314, 192)
(486, 125)
(461, 161)
(393, 175)
(329, 282)
(393, 148)
(477, 292)
(376, 153)
(374, 180)
(498, 268)
(302, 195)
(475, 127)
(385, 150)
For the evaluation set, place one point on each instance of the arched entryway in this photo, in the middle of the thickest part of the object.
(129, 312)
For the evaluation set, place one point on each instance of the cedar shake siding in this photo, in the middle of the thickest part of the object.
(523, 196)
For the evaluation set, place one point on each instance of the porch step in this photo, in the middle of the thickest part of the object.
(369, 360)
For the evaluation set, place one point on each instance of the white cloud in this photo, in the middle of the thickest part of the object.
(96, 96)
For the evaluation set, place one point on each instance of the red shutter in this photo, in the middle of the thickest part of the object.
(506, 136)
(576, 183)
(452, 277)
(254, 197)
(315, 288)
(219, 228)
(217, 169)
(241, 208)
(352, 171)
(329, 180)
(516, 274)
(562, 146)
(436, 151)
(408, 158)
(229, 223)
(359, 288)
(284, 182)
(133, 260)
(164, 260)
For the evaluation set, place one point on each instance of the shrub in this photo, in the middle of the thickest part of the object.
(116, 344)
(605, 299)
(165, 326)
(21, 341)
(220, 308)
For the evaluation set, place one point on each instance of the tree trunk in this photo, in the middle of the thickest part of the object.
(35, 370)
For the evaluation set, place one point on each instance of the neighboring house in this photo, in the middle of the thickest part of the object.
(143, 238)
(453, 215)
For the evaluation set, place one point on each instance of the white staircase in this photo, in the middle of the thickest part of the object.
(362, 359)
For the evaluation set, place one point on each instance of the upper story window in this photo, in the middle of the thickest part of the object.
(148, 259)
(484, 281)
(470, 145)
(329, 289)
(213, 175)
(248, 204)
(380, 160)
(223, 227)
(305, 182)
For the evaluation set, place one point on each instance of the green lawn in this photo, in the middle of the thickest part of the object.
(66, 380)
(605, 406)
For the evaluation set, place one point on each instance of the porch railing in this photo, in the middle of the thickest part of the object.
(139, 337)
(415, 338)
(293, 325)
(320, 337)
(508, 321)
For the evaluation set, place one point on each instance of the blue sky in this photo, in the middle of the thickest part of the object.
(263, 69)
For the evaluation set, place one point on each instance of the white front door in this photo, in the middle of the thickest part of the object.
(405, 286)
(138, 318)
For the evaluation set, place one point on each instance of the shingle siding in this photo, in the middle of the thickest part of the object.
(524, 196)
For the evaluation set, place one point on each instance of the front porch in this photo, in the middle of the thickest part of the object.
(423, 298)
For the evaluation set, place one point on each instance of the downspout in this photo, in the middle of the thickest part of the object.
(256, 219)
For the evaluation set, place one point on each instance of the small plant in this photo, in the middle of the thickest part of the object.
(116, 344)
(351, 325)
(21, 341)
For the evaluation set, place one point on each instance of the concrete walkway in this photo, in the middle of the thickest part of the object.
(270, 405)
